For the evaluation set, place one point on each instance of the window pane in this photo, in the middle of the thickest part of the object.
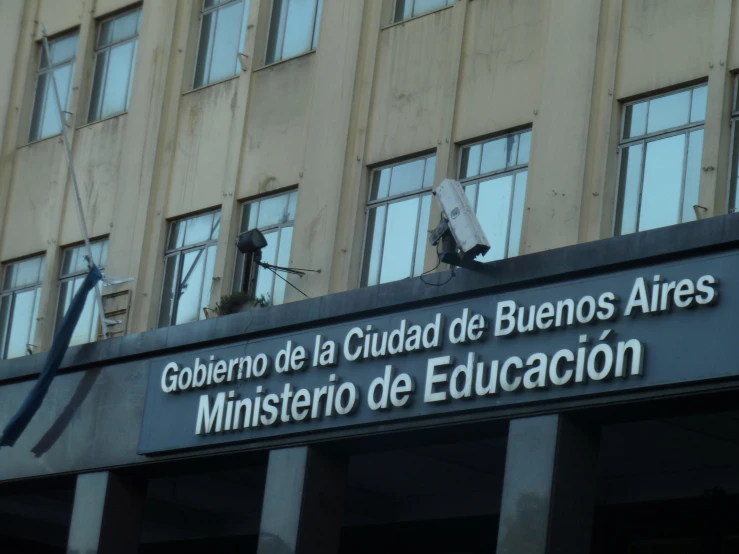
(249, 216)
(63, 49)
(273, 211)
(428, 174)
(692, 174)
(524, 146)
(242, 33)
(216, 226)
(207, 28)
(125, 26)
(133, 70)
(27, 272)
(493, 209)
(292, 206)
(471, 161)
(373, 245)
(471, 192)
(663, 168)
(400, 234)
(198, 229)
(99, 253)
(226, 43)
(42, 81)
(210, 262)
(635, 122)
(298, 28)
(274, 42)
(5, 302)
(106, 33)
(317, 24)
(423, 235)
(631, 159)
(283, 260)
(380, 183)
(511, 150)
(168, 291)
(98, 86)
(191, 284)
(265, 278)
(406, 177)
(403, 9)
(517, 208)
(52, 123)
(425, 6)
(494, 155)
(24, 304)
(177, 234)
(116, 80)
(698, 104)
(668, 111)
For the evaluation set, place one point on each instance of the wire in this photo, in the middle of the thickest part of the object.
(266, 266)
(438, 263)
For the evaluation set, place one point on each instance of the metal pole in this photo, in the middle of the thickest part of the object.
(78, 200)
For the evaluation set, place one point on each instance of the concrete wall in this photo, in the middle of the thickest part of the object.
(371, 93)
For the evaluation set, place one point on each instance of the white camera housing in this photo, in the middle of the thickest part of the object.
(463, 222)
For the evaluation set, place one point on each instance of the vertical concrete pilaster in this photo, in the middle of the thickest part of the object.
(548, 487)
(557, 174)
(106, 515)
(303, 502)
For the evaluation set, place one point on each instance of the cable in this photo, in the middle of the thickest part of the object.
(438, 263)
(266, 266)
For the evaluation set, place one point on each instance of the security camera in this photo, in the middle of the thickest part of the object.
(460, 221)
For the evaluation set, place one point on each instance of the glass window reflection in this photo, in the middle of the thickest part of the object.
(397, 221)
(188, 269)
(659, 167)
(494, 174)
(19, 299)
(74, 268)
(222, 36)
(274, 216)
(293, 28)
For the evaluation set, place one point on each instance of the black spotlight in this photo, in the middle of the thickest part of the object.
(251, 241)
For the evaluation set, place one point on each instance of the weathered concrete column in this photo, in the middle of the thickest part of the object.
(303, 502)
(107, 514)
(548, 487)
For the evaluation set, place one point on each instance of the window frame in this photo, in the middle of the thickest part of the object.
(480, 177)
(12, 293)
(386, 201)
(238, 287)
(242, 39)
(644, 140)
(182, 251)
(108, 47)
(51, 67)
(279, 49)
(72, 276)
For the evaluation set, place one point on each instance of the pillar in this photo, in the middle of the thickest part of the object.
(107, 514)
(303, 502)
(548, 487)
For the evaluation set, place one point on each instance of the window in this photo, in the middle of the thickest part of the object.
(45, 120)
(734, 171)
(19, 298)
(494, 175)
(659, 160)
(74, 270)
(115, 59)
(397, 221)
(222, 36)
(274, 217)
(188, 268)
(405, 9)
(293, 28)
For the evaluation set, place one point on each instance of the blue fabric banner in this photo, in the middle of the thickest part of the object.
(54, 358)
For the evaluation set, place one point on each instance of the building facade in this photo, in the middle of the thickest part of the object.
(595, 140)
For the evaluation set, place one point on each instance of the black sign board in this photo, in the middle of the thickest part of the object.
(647, 327)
